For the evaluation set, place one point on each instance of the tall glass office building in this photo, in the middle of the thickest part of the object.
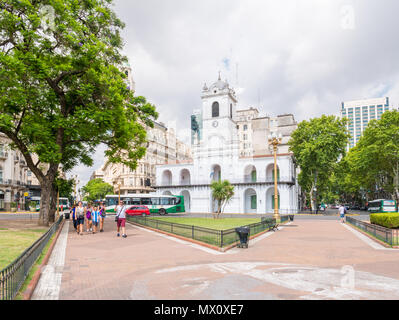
(360, 113)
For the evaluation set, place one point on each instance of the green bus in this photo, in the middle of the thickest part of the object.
(156, 204)
(382, 206)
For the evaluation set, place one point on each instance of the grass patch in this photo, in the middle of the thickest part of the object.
(33, 270)
(14, 242)
(216, 224)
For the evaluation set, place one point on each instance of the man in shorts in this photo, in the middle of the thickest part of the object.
(341, 211)
(121, 222)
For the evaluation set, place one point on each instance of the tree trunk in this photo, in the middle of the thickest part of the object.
(396, 183)
(53, 205)
(311, 199)
(45, 204)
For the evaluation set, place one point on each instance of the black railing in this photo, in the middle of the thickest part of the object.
(389, 236)
(13, 276)
(219, 238)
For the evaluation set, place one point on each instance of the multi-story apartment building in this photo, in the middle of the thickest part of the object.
(14, 175)
(17, 182)
(359, 113)
(253, 131)
(162, 148)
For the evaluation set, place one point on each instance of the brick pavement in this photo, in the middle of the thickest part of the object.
(309, 259)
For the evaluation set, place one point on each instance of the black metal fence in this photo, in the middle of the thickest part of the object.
(13, 276)
(219, 238)
(389, 236)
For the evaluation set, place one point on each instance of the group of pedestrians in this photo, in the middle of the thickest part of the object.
(93, 216)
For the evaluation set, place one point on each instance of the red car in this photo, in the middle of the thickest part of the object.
(138, 211)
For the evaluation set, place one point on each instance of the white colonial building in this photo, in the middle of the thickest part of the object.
(232, 145)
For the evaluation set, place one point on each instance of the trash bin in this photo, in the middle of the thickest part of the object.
(291, 217)
(66, 215)
(243, 233)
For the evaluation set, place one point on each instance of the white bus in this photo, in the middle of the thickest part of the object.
(156, 204)
(35, 202)
(63, 203)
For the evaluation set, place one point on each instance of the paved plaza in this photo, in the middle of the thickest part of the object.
(307, 259)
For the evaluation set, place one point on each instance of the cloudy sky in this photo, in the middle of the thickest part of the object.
(301, 57)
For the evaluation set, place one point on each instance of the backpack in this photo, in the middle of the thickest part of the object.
(102, 213)
(88, 214)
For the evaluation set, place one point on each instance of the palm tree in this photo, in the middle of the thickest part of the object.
(222, 192)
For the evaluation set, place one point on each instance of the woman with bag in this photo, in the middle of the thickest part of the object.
(88, 218)
(121, 219)
(80, 217)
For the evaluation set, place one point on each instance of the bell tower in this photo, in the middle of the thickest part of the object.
(218, 111)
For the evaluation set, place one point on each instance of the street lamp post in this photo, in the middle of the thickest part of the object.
(58, 203)
(275, 140)
(119, 192)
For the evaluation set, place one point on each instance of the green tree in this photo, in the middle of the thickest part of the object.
(374, 161)
(317, 145)
(222, 192)
(62, 92)
(97, 189)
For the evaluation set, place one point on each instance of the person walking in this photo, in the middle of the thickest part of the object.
(102, 216)
(88, 218)
(121, 219)
(95, 216)
(80, 217)
(74, 220)
(341, 211)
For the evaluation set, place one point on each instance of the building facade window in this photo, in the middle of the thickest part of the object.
(215, 109)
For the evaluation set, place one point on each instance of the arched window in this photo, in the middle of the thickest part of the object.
(215, 109)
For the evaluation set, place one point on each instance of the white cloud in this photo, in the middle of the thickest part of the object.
(301, 57)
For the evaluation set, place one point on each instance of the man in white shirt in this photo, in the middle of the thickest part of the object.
(121, 221)
(341, 211)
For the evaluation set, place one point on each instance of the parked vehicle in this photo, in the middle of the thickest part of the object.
(138, 211)
(355, 207)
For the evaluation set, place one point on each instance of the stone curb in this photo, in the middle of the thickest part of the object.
(196, 241)
(27, 294)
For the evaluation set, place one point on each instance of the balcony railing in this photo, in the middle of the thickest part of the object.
(10, 182)
(3, 155)
(204, 182)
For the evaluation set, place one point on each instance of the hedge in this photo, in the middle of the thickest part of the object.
(387, 220)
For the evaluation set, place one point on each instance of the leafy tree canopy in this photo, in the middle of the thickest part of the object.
(97, 189)
(374, 161)
(62, 90)
(317, 145)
